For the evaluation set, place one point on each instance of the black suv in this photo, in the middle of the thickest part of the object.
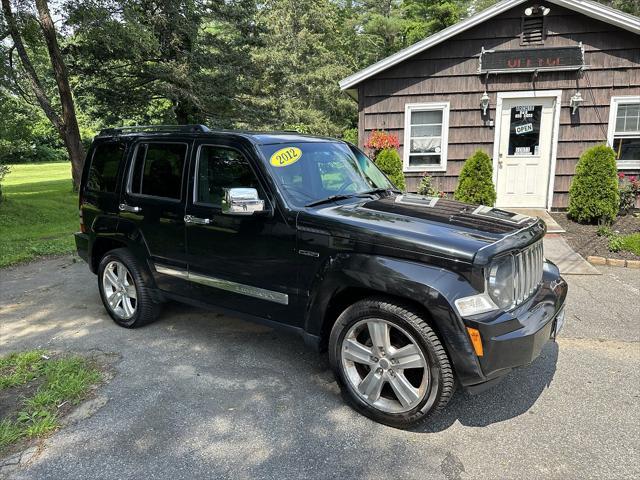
(411, 295)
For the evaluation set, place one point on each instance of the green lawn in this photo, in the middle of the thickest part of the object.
(39, 212)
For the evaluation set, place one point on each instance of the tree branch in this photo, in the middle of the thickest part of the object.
(30, 71)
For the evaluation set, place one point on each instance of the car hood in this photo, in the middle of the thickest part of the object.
(427, 225)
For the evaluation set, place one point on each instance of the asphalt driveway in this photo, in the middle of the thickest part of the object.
(199, 395)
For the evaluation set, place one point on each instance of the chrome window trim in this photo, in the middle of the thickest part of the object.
(227, 285)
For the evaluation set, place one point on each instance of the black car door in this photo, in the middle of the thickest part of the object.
(242, 262)
(152, 205)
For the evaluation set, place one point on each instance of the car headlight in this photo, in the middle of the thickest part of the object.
(499, 291)
(500, 286)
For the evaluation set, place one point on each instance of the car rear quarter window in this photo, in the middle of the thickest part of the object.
(103, 172)
(220, 168)
(158, 170)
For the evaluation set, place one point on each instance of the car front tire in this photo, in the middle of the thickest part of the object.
(123, 291)
(389, 363)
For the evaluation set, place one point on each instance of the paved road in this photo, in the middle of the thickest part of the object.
(198, 395)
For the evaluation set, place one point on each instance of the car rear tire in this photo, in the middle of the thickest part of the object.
(125, 295)
(389, 362)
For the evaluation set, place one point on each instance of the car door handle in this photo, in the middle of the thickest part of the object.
(128, 208)
(197, 220)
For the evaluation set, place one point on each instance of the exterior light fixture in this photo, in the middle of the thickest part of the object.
(484, 103)
(575, 102)
(537, 9)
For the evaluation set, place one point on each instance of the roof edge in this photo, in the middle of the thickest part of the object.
(589, 8)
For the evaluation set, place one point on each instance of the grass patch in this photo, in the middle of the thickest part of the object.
(628, 243)
(35, 412)
(39, 212)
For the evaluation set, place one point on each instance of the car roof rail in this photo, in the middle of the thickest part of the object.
(196, 128)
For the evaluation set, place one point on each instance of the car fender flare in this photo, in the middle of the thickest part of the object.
(434, 288)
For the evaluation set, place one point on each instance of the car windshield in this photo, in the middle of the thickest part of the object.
(315, 171)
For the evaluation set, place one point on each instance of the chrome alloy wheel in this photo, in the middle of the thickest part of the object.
(119, 290)
(385, 366)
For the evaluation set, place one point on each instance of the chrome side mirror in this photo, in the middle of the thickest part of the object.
(241, 201)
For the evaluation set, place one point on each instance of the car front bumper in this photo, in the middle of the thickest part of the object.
(516, 338)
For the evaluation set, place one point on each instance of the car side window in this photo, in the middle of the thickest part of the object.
(103, 172)
(220, 168)
(158, 169)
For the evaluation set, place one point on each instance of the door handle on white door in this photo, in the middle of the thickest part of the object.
(197, 220)
(128, 208)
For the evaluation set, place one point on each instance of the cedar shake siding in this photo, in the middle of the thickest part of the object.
(448, 72)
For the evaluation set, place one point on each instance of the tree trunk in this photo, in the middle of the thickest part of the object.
(71, 133)
(67, 124)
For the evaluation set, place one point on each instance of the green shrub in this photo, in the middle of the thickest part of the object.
(615, 243)
(605, 231)
(427, 188)
(350, 135)
(389, 161)
(475, 184)
(593, 195)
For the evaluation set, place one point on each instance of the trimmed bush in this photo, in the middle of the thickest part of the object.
(475, 184)
(594, 195)
(389, 161)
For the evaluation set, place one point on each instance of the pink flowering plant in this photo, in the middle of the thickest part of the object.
(629, 187)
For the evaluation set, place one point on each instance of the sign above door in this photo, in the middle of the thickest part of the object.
(532, 59)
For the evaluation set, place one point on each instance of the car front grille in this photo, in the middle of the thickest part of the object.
(528, 271)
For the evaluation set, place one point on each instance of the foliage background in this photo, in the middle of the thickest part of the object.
(256, 64)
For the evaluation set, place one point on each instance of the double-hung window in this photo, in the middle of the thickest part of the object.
(624, 131)
(426, 128)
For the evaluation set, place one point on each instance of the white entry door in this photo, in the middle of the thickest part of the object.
(524, 151)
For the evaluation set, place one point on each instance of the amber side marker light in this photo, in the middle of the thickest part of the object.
(476, 340)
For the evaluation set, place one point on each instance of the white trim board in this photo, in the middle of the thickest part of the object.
(444, 136)
(624, 164)
(586, 7)
(554, 134)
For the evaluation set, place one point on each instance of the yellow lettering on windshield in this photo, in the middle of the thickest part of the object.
(285, 156)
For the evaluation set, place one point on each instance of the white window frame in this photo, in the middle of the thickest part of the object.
(613, 114)
(409, 108)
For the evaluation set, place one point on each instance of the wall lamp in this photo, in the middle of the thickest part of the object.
(575, 102)
(537, 9)
(484, 103)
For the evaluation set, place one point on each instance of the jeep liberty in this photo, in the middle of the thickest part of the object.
(411, 295)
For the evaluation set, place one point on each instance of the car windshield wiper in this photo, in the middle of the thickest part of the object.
(331, 198)
(343, 196)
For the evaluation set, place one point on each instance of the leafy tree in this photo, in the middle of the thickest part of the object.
(593, 194)
(28, 136)
(426, 18)
(628, 6)
(389, 161)
(475, 184)
(63, 115)
(300, 60)
(162, 61)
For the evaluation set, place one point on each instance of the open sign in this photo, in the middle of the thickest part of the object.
(526, 128)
